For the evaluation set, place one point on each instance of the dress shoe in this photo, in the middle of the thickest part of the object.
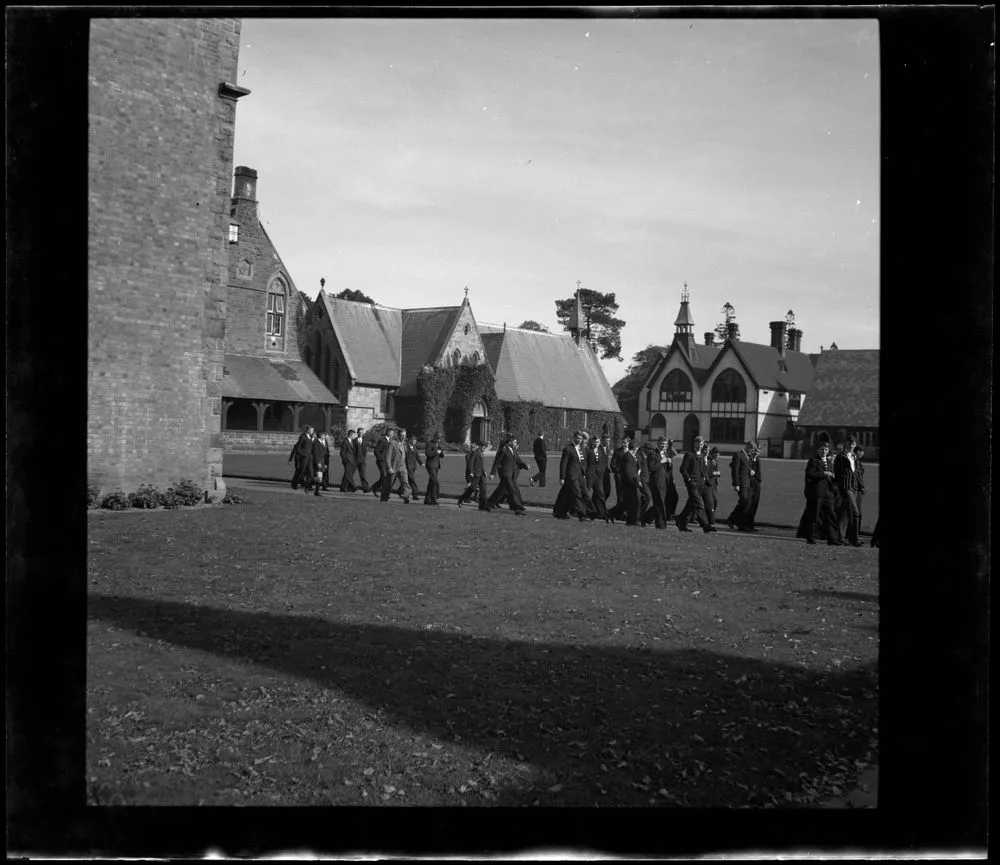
(835, 543)
(682, 526)
(406, 501)
(751, 529)
(731, 524)
(520, 513)
(856, 544)
(810, 540)
(709, 529)
(316, 493)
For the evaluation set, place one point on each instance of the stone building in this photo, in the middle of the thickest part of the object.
(844, 399)
(162, 110)
(373, 356)
(727, 393)
(268, 391)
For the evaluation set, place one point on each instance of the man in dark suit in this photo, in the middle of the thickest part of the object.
(319, 453)
(413, 459)
(859, 472)
(819, 512)
(432, 459)
(606, 448)
(846, 479)
(571, 480)
(710, 491)
(745, 472)
(506, 465)
(348, 454)
(693, 475)
(380, 489)
(541, 460)
(327, 439)
(617, 455)
(296, 454)
(631, 483)
(656, 463)
(361, 459)
(475, 476)
(597, 469)
(304, 459)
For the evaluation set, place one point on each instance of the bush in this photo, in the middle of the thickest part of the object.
(231, 498)
(188, 492)
(171, 500)
(337, 432)
(145, 496)
(93, 496)
(380, 429)
(115, 501)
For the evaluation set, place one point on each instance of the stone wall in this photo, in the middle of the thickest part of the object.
(238, 442)
(159, 161)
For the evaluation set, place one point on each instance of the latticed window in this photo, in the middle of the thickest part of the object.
(234, 233)
(729, 407)
(275, 313)
(795, 400)
(675, 392)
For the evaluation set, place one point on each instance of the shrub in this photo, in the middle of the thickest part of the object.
(115, 501)
(146, 496)
(188, 492)
(171, 500)
(338, 432)
(373, 432)
(93, 496)
(231, 498)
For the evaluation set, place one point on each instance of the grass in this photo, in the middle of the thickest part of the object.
(782, 498)
(298, 651)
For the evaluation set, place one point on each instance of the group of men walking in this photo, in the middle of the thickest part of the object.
(641, 477)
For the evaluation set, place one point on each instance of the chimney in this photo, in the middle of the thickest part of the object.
(779, 337)
(709, 337)
(732, 331)
(794, 339)
(246, 183)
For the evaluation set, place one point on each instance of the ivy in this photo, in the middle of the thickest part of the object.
(448, 397)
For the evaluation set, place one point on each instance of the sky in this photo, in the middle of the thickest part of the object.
(409, 159)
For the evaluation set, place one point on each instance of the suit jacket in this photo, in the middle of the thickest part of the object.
(360, 450)
(348, 451)
(570, 466)
(616, 459)
(396, 457)
(859, 471)
(817, 483)
(298, 448)
(505, 463)
(711, 466)
(692, 468)
(382, 449)
(432, 457)
(320, 453)
(845, 475)
(630, 471)
(741, 467)
(474, 464)
(413, 459)
(651, 456)
(538, 448)
(304, 446)
(602, 461)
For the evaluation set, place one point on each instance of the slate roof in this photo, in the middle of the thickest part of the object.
(249, 377)
(845, 390)
(424, 333)
(762, 361)
(548, 368)
(370, 338)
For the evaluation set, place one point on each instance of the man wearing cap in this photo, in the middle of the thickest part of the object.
(432, 460)
(571, 478)
(693, 475)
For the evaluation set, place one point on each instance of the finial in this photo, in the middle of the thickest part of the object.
(466, 291)
(322, 282)
(684, 294)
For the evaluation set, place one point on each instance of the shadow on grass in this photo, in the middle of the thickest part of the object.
(844, 596)
(711, 729)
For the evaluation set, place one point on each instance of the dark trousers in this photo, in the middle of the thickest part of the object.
(820, 517)
(711, 501)
(506, 491)
(658, 496)
(539, 476)
(412, 481)
(672, 499)
(847, 518)
(363, 476)
(694, 506)
(745, 512)
(631, 501)
(475, 489)
(598, 498)
(381, 486)
(303, 473)
(347, 481)
(570, 500)
(433, 488)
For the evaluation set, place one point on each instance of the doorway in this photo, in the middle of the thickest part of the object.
(691, 427)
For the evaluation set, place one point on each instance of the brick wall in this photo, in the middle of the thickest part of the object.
(160, 158)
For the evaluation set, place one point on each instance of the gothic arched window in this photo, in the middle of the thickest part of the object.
(675, 392)
(729, 408)
(277, 296)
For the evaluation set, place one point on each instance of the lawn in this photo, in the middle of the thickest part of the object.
(301, 651)
(782, 498)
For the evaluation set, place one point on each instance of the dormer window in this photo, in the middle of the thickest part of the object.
(234, 233)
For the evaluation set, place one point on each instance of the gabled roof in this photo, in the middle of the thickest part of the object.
(548, 368)
(370, 337)
(249, 377)
(424, 334)
(766, 368)
(698, 361)
(845, 390)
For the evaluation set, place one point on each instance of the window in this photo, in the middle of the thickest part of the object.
(795, 400)
(234, 233)
(475, 357)
(275, 314)
(385, 401)
(675, 392)
(456, 357)
(729, 406)
(467, 329)
(565, 418)
(585, 420)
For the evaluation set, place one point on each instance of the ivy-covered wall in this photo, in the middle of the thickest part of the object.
(448, 397)
(526, 419)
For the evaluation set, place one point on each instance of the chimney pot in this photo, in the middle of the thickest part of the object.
(732, 330)
(779, 339)
(246, 183)
(709, 337)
